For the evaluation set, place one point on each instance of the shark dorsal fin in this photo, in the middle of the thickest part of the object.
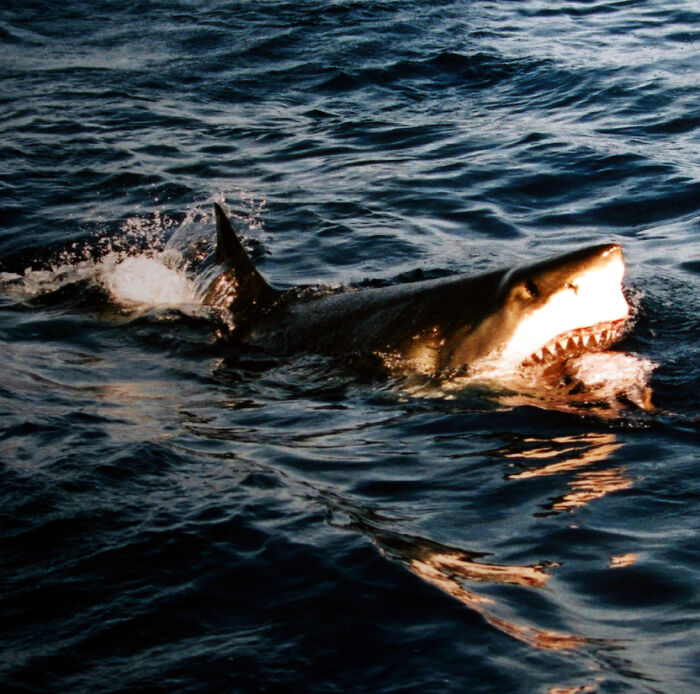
(240, 287)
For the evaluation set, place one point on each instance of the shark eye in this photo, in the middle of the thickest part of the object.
(531, 288)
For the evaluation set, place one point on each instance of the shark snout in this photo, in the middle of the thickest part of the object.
(599, 254)
(611, 251)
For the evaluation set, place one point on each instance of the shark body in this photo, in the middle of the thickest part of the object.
(538, 313)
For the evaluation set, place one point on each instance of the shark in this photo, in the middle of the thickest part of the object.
(535, 315)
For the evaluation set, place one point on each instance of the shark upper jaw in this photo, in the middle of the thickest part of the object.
(576, 342)
(587, 311)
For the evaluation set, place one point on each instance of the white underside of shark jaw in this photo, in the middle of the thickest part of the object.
(587, 314)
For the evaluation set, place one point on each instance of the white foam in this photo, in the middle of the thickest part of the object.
(36, 282)
(143, 281)
(616, 371)
(611, 380)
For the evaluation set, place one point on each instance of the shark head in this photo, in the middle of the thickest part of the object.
(548, 311)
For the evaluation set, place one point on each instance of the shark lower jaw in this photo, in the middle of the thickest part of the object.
(576, 342)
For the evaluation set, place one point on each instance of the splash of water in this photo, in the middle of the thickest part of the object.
(145, 281)
(135, 269)
(602, 383)
(611, 374)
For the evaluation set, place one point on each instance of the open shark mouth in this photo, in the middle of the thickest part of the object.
(576, 342)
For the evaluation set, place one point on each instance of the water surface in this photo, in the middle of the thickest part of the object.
(179, 516)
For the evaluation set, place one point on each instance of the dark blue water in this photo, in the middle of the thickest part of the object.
(179, 517)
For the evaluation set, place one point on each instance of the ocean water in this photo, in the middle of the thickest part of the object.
(180, 516)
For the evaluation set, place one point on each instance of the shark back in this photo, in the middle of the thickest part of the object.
(240, 288)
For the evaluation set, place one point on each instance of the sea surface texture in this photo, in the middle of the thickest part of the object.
(179, 515)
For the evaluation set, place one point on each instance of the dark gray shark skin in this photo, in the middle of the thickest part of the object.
(427, 326)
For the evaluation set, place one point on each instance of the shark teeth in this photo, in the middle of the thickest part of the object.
(593, 338)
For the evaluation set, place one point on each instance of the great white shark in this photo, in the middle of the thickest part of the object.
(532, 315)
